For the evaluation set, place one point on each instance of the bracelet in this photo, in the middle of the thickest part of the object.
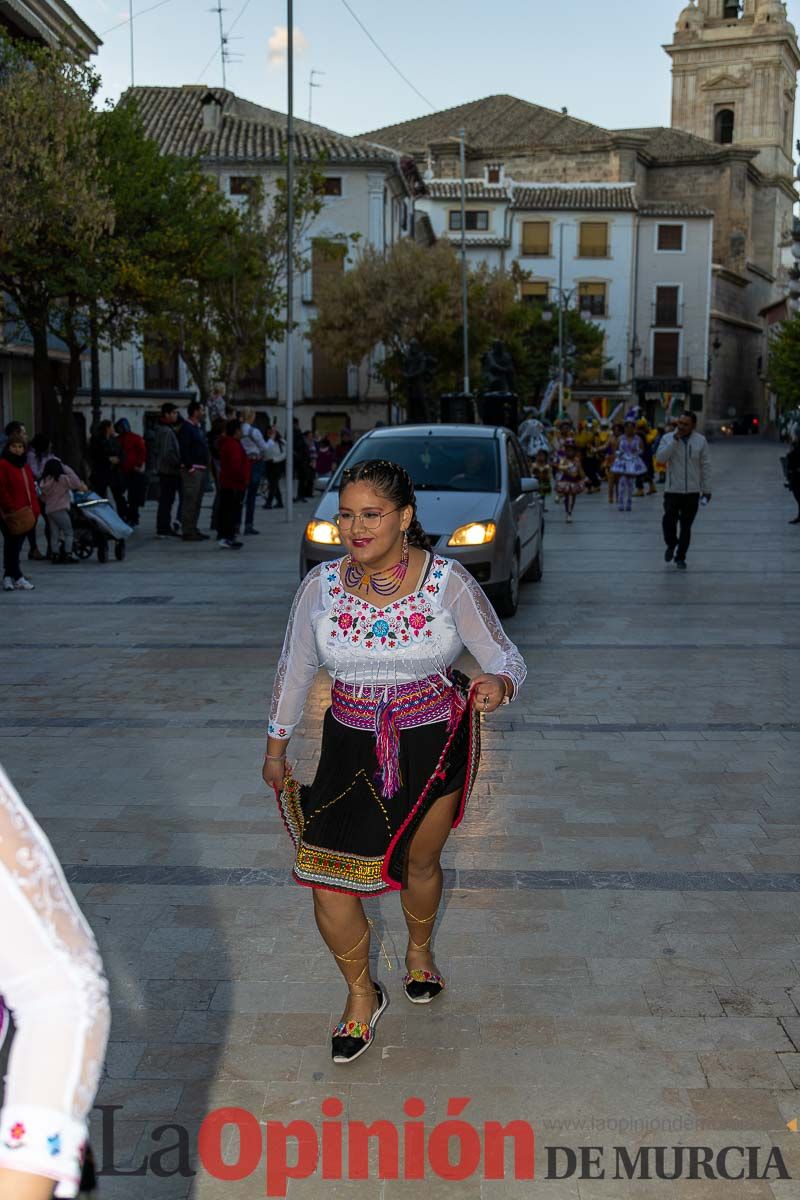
(275, 757)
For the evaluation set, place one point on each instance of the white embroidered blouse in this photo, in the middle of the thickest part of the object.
(362, 646)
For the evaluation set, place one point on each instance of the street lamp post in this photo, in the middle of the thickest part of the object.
(290, 261)
(560, 319)
(464, 292)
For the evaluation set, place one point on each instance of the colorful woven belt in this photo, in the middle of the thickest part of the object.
(386, 711)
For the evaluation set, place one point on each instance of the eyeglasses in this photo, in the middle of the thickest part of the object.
(371, 519)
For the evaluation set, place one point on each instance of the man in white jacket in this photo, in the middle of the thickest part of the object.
(685, 455)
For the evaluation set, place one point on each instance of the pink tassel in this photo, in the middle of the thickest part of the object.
(387, 748)
(458, 706)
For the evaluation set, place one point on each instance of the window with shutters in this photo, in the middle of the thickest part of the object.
(666, 351)
(327, 264)
(329, 380)
(593, 239)
(667, 308)
(670, 237)
(477, 219)
(593, 299)
(537, 292)
(161, 366)
(332, 185)
(536, 238)
(494, 174)
(242, 185)
(253, 381)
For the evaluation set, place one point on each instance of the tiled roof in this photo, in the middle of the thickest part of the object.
(496, 121)
(599, 199)
(173, 117)
(657, 208)
(476, 189)
(673, 145)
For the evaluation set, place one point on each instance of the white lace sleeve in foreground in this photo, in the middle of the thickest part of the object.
(52, 979)
(298, 663)
(479, 628)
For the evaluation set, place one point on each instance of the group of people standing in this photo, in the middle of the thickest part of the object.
(233, 455)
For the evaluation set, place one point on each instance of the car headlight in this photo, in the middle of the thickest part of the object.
(477, 533)
(324, 532)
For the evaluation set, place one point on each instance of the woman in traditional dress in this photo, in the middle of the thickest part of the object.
(401, 740)
(629, 465)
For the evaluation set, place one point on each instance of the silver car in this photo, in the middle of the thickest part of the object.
(476, 500)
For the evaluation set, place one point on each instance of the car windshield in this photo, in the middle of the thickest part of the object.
(436, 464)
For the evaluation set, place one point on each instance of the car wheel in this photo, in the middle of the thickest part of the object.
(536, 569)
(507, 601)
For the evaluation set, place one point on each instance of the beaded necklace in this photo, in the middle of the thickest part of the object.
(383, 583)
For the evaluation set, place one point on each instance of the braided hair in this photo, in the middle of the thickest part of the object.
(394, 482)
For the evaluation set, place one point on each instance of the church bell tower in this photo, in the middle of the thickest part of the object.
(734, 73)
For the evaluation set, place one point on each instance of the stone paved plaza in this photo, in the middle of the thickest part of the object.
(620, 928)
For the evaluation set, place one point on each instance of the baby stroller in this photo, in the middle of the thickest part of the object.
(96, 523)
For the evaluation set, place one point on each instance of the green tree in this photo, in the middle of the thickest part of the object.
(783, 371)
(385, 300)
(538, 360)
(54, 207)
(221, 288)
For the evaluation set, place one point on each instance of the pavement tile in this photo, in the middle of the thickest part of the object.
(607, 954)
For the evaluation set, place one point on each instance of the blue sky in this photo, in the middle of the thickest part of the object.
(603, 61)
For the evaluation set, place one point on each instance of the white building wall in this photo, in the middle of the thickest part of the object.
(690, 270)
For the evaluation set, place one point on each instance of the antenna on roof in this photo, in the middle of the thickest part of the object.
(311, 86)
(223, 40)
(130, 25)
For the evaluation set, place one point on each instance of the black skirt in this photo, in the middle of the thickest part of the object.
(348, 837)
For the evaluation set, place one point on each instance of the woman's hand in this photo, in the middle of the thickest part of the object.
(274, 772)
(490, 692)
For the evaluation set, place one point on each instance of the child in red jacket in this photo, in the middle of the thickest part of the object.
(17, 492)
(234, 476)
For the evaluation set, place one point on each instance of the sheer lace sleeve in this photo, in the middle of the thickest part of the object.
(479, 628)
(299, 662)
(52, 979)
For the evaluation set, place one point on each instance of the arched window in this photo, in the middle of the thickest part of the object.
(723, 126)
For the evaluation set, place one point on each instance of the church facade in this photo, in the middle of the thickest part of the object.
(726, 158)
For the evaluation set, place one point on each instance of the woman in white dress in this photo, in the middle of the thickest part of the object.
(401, 740)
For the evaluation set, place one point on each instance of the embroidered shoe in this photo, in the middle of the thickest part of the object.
(421, 986)
(351, 1039)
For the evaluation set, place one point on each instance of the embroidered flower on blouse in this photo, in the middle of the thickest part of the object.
(417, 621)
(54, 1144)
(345, 620)
(380, 629)
(17, 1131)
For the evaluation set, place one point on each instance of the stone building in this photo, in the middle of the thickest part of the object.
(727, 153)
